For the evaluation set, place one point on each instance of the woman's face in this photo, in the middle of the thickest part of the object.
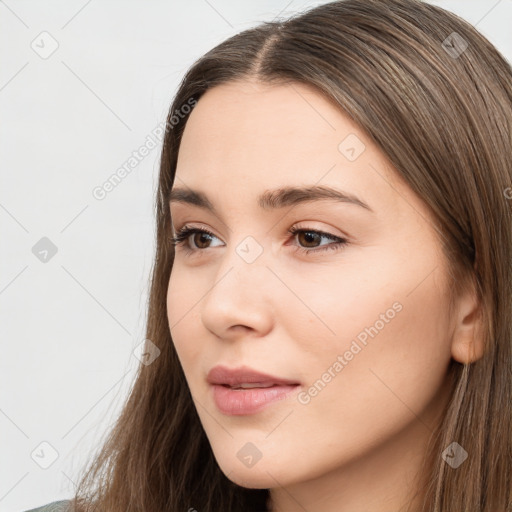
(361, 325)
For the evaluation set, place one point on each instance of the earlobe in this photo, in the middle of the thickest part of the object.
(468, 344)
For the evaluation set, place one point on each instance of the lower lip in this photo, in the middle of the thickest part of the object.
(236, 402)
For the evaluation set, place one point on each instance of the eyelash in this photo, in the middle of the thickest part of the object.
(184, 233)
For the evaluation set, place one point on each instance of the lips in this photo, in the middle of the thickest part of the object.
(245, 377)
(243, 391)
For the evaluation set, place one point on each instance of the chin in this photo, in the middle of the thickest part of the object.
(249, 480)
(255, 477)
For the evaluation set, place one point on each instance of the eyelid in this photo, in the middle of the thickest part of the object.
(297, 227)
(326, 231)
(191, 226)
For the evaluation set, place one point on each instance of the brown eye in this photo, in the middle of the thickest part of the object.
(201, 237)
(185, 234)
(307, 238)
(308, 241)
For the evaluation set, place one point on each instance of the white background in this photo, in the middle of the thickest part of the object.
(68, 326)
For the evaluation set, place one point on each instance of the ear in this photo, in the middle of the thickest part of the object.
(467, 339)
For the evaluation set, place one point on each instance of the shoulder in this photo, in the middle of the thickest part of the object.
(54, 506)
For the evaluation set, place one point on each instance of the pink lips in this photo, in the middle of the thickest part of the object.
(246, 401)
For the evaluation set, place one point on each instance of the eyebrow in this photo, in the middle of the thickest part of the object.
(272, 199)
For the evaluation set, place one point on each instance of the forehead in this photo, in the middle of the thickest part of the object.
(243, 138)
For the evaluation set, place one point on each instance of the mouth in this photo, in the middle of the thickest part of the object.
(244, 391)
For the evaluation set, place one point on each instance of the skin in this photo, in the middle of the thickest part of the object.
(358, 444)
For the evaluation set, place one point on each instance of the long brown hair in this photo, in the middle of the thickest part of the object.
(439, 105)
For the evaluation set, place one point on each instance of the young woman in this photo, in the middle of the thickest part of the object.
(330, 321)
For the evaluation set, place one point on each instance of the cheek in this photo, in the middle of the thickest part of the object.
(183, 315)
(389, 355)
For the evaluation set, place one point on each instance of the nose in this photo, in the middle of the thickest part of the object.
(239, 297)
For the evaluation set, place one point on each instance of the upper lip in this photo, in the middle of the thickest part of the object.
(244, 375)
